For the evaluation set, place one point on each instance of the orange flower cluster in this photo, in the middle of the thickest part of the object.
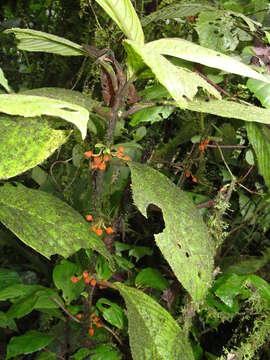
(88, 280)
(193, 178)
(203, 145)
(120, 154)
(98, 162)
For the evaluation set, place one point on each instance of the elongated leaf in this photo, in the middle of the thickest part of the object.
(231, 109)
(67, 95)
(180, 82)
(8, 277)
(28, 343)
(184, 243)
(123, 13)
(189, 51)
(153, 333)
(260, 90)
(173, 11)
(259, 137)
(31, 106)
(46, 223)
(25, 143)
(39, 41)
(3, 81)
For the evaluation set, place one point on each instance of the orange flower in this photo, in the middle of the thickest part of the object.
(91, 331)
(93, 282)
(98, 325)
(87, 280)
(99, 232)
(96, 319)
(187, 174)
(97, 160)
(88, 217)
(203, 145)
(88, 154)
(102, 166)
(79, 316)
(109, 230)
(85, 274)
(194, 179)
(120, 151)
(74, 279)
(92, 315)
(106, 158)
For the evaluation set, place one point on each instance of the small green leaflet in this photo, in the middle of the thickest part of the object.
(31, 106)
(18, 155)
(3, 81)
(153, 333)
(45, 223)
(185, 242)
(28, 343)
(189, 51)
(39, 41)
(124, 15)
(182, 84)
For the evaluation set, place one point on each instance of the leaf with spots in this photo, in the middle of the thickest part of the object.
(153, 333)
(185, 242)
(25, 143)
(45, 223)
(32, 106)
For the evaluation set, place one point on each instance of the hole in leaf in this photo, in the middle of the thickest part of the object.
(179, 245)
(69, 110)
(155, 219)
(199, 274)
(187, 255)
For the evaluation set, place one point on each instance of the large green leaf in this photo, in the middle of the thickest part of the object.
(67, 95)
(183, 9)
(231, 109)
(153, 333)
(259, 137)
(25, 143)
(3, 81)
(260, 90)
(33, 40)
(46, 223)
(189, 51)
(185, 242)
(31, 106)
(181, 83)
(124, 14)
(28, 343)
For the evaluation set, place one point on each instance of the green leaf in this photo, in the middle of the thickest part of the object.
(185, 242)
(17, 291)
(189, 51)
(3, 81)
(81, 354)
(231, 286)
(181, 83)
(62, 274)
(262, 287)
(140, 251)
(67, 95)
(46, 223)
(153, 333)
(46, 355)
(123, 14)
(151, 114)
(6, 322)
(260, 90)
(173, 11)
(31, 106)
(8, 277)
(28, 343)
(33, 40)
(111, 312)
(231, 109)
(152, 278)
(18, 155)
(259, 137)
(105, 352)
